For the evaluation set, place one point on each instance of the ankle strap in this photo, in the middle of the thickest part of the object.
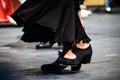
(75, 49)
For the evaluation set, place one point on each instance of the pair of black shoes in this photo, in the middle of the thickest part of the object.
(83, 56)
(43, 45)
(48, 45)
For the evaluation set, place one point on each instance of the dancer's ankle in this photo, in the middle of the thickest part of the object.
(82, 45)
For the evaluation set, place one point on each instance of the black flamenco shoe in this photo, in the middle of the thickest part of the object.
(43, 45)
(83, 57)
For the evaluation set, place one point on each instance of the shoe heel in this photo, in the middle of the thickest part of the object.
(76, 68)
(87, 59)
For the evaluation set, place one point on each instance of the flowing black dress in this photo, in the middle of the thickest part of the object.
(48, 20)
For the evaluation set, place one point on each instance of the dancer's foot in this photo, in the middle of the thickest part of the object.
(74, 58)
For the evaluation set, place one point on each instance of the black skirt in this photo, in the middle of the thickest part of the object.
(50, 20)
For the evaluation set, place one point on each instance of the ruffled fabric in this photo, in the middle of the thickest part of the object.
(50, 20)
